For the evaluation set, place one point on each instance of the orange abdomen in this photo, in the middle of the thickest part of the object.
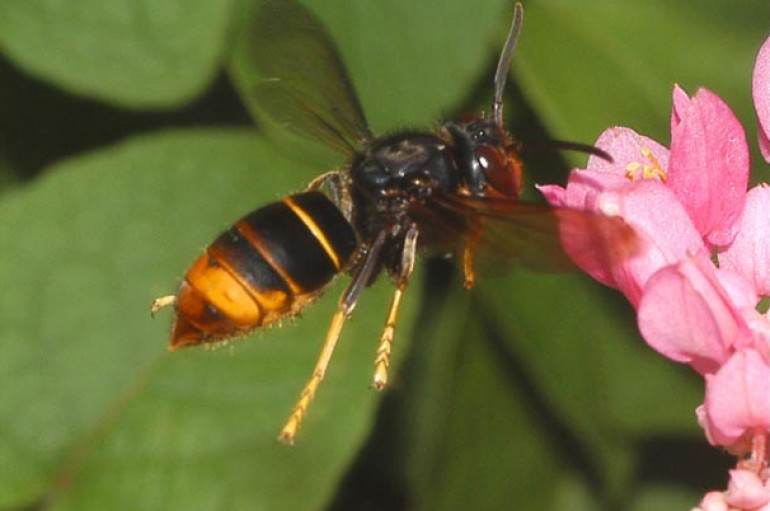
(267, 266)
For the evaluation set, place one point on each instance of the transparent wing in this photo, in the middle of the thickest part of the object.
(286, 66)
(535, 236)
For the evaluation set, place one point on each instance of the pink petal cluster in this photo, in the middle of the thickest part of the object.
(704, 267)
(746, 490)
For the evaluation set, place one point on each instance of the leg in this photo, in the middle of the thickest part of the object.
(339, 190)
(468, 273)
(324, 179)
(161, 302)
(292, 425)
(468, 260)
(382, 360)
(345, 308)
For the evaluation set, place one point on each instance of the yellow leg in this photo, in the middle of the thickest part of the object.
(382, 359)
(162, 302)
(468, 273)
(468, 258)
(346, 305)
(289, 431)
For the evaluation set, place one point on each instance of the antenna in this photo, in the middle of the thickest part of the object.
(504, 64)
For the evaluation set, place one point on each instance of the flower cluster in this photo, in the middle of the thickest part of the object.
(699, 281)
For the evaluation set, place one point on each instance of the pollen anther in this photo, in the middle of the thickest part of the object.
(649, 170)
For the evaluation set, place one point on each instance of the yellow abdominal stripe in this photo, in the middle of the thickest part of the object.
(317, 232)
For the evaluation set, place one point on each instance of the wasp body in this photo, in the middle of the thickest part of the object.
(451, 191)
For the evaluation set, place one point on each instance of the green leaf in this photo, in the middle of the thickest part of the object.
(586, 66)
(661, 496)
(394, 54)
(131, 53)
(8, 178)
(602, 382)
(95, 413)
(412, 61)
(469, 428)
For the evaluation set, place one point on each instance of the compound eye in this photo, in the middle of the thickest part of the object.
(497, 168)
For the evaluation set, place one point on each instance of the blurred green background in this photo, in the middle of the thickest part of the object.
(124, 151)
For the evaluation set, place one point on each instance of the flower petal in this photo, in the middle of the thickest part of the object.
(679, 105)
(739, 289)
(665, 232)
(761, 91)
(749, 253)
(746, 490)
(709, 166)
(583, 193)
(629, 151)
(686, 316)
(737, 402)
(713, 501)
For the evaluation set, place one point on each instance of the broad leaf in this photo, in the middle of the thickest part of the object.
(133, 53)
(585, 66)
(95, 412)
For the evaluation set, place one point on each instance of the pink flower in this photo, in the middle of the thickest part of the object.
(705, 175)
(737, 404)
(631, 187)
(709, 165)
(704, 266)
(761, 92)
(745, 491)
(713, 501)
(686, 315)
(750, 252)
(695, 313)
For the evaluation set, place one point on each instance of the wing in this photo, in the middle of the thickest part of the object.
(535, 236)
(286, 66)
